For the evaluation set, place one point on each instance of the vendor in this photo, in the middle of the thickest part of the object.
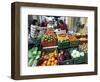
(44, 23)
(62, 25)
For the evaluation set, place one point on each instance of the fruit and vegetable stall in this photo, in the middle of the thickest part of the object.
(50, 48)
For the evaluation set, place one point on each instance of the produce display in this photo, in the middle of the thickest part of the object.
(48, 59)
(76, 54)
(52, 42)
(51, 49)
(63, 44)
(75, 57)
(79, 57)
(33, 56)
(84, 47)
(49, 39)
(82, 39)
(72, 38)
(62, 37)
(63, 55)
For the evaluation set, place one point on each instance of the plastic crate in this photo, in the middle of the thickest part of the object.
(74, 43)
(48, 44)
(64, 44)
(67, 62)
(80, 60)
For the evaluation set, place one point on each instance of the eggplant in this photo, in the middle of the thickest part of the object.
(67, 55)
(64, 55)
(61, 58)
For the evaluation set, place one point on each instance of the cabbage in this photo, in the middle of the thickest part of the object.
(30, 63)
(77, 54)
(82, 54)
(30, 54)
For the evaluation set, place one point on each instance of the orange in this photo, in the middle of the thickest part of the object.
(45, 62)
(53, 59)
(48, 63)
(43, 65)
(56, 61)
(52, 63)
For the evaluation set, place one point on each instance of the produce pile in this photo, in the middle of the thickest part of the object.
(51, 49)
(48, 59)
(53, 57)
(75, 53)
(49, 39)
(72, 38)
(62, 37)
(33, 56)
(84, 47)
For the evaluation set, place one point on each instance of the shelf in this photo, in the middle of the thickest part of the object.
(80, 36)
(83, 41)
(50, 47)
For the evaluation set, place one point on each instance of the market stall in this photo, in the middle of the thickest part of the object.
(52, 46)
